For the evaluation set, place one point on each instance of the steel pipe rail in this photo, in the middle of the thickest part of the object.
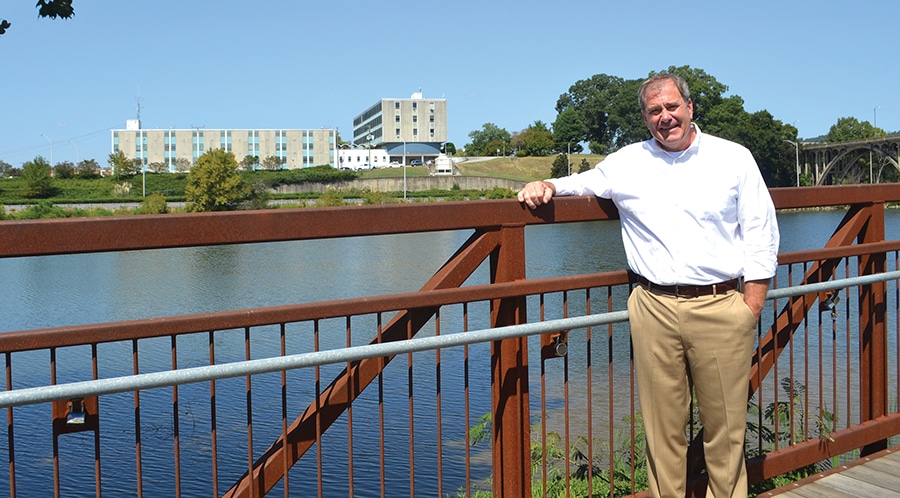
(33, 395)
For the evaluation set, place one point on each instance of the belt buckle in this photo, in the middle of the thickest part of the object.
(685, 294)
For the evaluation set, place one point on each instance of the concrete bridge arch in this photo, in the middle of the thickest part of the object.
(849, 162)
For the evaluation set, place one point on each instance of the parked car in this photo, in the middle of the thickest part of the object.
(416, 162)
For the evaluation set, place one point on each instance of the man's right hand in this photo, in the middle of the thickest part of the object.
(533, 194)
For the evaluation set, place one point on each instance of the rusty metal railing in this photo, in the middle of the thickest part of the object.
(334, 430)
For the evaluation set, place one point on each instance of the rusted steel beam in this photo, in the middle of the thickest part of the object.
(120, 233)
(332, 402)
(836, 195)
(873, 346)
(511, 422)
(799, 455)
(25, 340)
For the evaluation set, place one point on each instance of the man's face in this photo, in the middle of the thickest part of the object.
(668, 116)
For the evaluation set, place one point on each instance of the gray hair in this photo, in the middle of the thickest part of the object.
(656, 81)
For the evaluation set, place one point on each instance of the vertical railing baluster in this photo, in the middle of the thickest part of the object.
(176, 432)
(214, 441)
(284, 411)
(56, 491)
(318, 412)
(351, 388)
(437, 407)
(409, 389)
(466, 405)
(248, 394)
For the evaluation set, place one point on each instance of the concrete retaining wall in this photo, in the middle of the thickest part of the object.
(413, 184)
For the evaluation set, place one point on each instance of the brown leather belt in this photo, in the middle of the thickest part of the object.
(680, 290)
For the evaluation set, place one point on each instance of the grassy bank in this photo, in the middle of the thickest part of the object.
(171, 185)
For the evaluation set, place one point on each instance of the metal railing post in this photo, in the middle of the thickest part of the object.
(509, 364)
(873, 329)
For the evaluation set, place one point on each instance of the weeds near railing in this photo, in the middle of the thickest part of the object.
(557, 483)
(629, 472)
(786, 425)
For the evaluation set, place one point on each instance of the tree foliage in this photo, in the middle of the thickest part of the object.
(848, 129)
(88, 168)
(568, 131)
(38, 182)
(604, 112)
(5, 169)
(121, 166)
(47, 8)
(214, 183)
(488, 140)
(536, 140)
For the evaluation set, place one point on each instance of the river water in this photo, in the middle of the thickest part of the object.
(76, 289)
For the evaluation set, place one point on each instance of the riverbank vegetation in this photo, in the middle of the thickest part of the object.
(218, 183)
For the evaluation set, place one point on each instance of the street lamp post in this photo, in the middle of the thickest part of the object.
(51, 148)
(874, 126)
(568, 157)
(369, 138)
(404, 170)
(797, 156)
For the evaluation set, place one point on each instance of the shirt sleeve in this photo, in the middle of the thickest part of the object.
(591, 182)
(759, 225)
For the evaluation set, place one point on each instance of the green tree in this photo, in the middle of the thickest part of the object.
(536, 140)
(122, 167)
(214, 183)
(849, 128)
(591, 100)
(64, 170)
(272, 163)
(87, 168)
(488, 140)
(560, 166)
(38, 182)
(761, 133)
(5, 169)
(608, 106)
(568, 131)
(250, 162)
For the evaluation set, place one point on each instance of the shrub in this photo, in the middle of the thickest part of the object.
(154, 203)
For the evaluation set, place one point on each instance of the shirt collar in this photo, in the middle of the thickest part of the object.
(681, 153)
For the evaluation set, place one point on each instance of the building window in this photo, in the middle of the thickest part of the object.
(415, 106)
(396, 105)
(397, 133)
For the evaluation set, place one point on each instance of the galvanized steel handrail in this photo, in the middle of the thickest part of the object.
(34, 395)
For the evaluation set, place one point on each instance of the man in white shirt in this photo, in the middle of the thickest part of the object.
(701, 239)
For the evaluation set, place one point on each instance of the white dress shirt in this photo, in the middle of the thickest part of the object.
(698, 216)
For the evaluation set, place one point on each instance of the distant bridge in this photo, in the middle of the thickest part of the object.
(859, 161)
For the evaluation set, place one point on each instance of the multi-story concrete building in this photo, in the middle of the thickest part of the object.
(294, 148)
(409, 129)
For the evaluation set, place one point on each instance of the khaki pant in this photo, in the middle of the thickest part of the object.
(705, 343)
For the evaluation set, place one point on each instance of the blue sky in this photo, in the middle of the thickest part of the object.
(291, 64)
